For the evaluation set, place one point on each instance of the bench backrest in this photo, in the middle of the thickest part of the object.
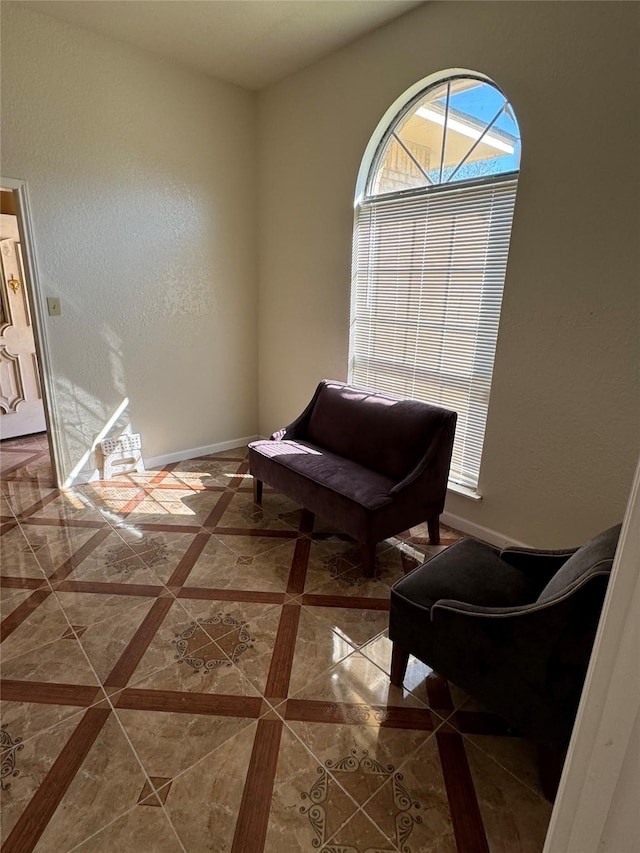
(378, 431)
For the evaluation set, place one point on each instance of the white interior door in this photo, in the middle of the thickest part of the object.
(21, 406)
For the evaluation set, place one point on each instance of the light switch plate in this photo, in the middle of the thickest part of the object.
(53, 305)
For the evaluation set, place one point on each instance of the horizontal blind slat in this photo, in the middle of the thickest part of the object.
(427, 281)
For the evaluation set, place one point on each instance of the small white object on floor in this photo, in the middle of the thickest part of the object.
(121, 455)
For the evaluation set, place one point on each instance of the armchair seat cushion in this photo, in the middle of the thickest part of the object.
(329, 471)
(469, 572)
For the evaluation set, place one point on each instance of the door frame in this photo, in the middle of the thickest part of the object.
(38, 319)
(608, 709)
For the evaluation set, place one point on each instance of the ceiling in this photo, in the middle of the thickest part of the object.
(252, 43)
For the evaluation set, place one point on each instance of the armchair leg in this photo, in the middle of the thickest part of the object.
(399, 660)
(434, 529)
(257, 490)
(369, 560)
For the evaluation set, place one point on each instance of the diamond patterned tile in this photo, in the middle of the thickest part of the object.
(185, 670)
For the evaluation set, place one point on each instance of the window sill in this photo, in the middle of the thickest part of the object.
(464, 491)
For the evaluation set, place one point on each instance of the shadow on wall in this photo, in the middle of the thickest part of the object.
(84, 419)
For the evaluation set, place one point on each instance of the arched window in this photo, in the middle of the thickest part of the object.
(434, 207)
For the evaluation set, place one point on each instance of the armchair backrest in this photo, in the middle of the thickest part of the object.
(379, 431)
(594, 557)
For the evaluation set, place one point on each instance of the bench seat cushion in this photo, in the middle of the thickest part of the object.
(323, 469)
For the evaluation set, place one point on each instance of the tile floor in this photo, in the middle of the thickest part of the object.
(185, 671)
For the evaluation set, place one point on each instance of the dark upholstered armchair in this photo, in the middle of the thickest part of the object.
(513, 628)
(370, 464)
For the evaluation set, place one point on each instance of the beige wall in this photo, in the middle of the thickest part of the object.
(142, 183)
(141, 178)
(564, 421)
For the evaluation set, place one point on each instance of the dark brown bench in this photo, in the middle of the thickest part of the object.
(370, 464)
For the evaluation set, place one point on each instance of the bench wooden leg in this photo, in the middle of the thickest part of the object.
(399, 661)
(257, 490)
(369, 560)
(434, 530)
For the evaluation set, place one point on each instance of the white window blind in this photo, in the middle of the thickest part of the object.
(428, 275)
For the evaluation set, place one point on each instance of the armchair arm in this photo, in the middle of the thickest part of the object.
(463, 608)
(526, 663)
(501, 638)
(513, 660)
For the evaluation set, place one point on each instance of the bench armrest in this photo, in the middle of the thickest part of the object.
(298, 427)
(433, 468)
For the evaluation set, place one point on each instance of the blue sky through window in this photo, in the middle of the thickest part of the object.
(479, 104)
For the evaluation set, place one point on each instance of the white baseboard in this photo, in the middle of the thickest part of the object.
(207, 450)
(493, 537)
(91, 475)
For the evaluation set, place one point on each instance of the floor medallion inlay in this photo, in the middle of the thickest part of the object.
(194, 646)
(124, 561)
(337, 564)
(9, 748)
(400, 814)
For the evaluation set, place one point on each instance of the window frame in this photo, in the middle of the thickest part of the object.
(365, 198)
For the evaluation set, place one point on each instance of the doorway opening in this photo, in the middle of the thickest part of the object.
(24, 411)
